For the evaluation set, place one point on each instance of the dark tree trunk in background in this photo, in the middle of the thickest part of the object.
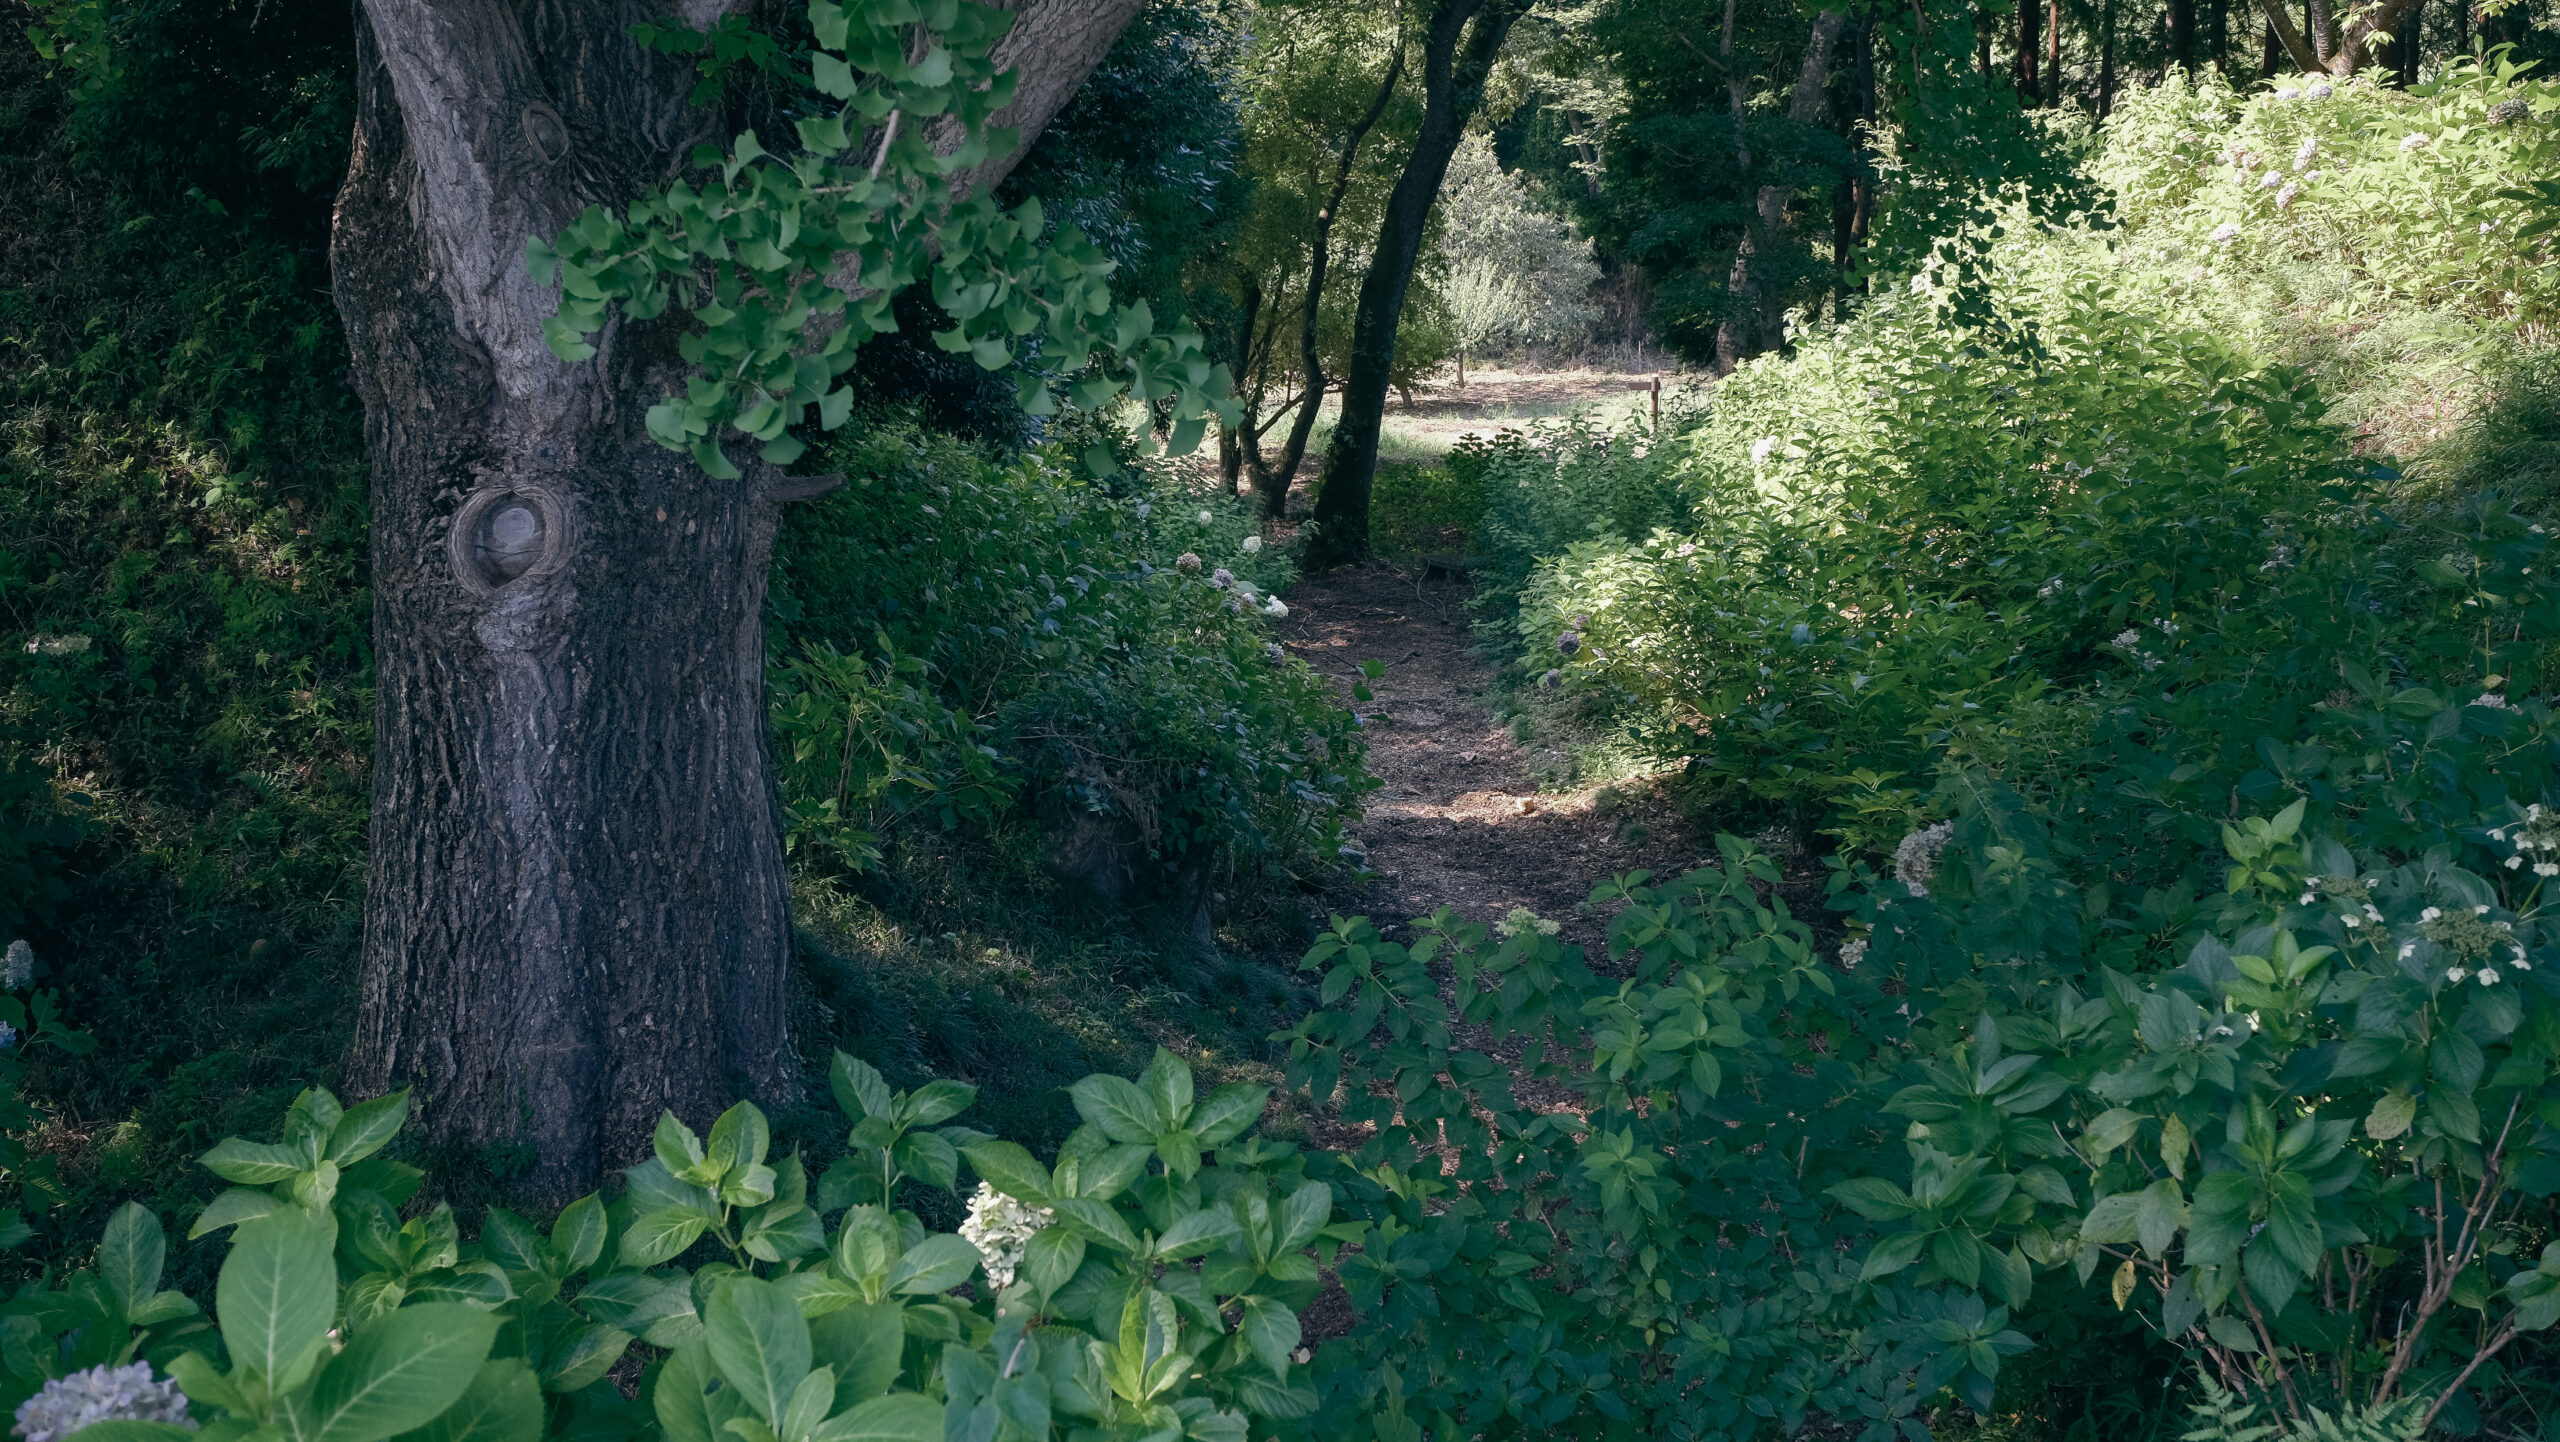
(1460, 42)
(2106, 58)
(2270, 54)
(1274, 489)
(2182, 35)
(577, 911)
(2030, 24)
(2347, 51)
(2052, 52)
(1754, 321)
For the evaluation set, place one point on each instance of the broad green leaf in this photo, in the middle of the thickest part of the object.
(502, 1404)
(577, 1238)
(759, 1342)
(131, 1253)
(1199, 1232)
(863, 1343)
(584, 1358)
(936, 1264)
(939, 1101)
(656, 1237)
(278, 1292)
(688, 1410)
(1011, 1169)
(860, 1090)
(900, 1417)
(1227, 1112)
(364, 1128)
(1271, 1330)
(399, 1372)
(1116, 1105)
(254, 1164)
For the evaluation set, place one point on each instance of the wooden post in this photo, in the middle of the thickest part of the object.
(1656, 390)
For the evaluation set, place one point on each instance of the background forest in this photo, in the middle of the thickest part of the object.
(2086, 591)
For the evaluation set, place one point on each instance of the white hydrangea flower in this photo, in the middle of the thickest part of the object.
(1207, 516)
(1521, 921)
(1915, 858)
(1001, 1229)
(2270, 180)
(2049, 589)
(2430, 914)
(2126, 640)
(2488, 976)
(1252, 544)
(1275, 608)
(1852, 951)
(2320, 90)
(2310, 148)
(2225, 233)
(1221, 578)
(2414, 140)
(19, 967)
(1761, 448)
(101, 1394)
(2284, 197)
(1271, 651)
(1144, 507)
(2456, 975)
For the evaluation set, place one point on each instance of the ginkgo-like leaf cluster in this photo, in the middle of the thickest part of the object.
(786, 262)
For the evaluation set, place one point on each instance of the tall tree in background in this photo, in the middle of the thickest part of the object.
(1752, 322)
(1460, 41)
(577, 909)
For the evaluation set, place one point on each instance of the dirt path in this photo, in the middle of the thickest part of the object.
(1459, 821)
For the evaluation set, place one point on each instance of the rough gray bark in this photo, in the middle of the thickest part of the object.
(1755, 324)
(1461, 40)
(2353, 46)
(577, 911)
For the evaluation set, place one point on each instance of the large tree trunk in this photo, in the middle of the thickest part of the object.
(577, 911)
(2350, 51)
(1457, 57)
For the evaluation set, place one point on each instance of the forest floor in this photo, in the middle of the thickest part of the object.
(1459, 819)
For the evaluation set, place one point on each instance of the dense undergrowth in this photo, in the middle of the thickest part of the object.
(185, 708)
(2011, 611)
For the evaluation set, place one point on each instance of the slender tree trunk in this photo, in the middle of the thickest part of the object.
(1984, 27)
(2353, 49)
(1461, 41)
(1753, 321)
(2030, 22)
(2052, 51)
(1275, 489)
(2181, 16)
(1248, 320)
(2106, 58)
(577, 911)
(2270, 53)
(2315, 24)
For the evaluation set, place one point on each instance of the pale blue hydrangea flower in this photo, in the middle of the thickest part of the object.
(19, 967)
(101, 1394)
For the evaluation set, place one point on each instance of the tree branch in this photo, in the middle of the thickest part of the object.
(2290, 35)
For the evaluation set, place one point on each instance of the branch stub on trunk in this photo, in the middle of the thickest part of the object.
(504, 534)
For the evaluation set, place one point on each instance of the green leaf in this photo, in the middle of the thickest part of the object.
(1011, 1169)
(656, 1237)
(687, 1409)
(131, 1253)
(902, 1417)
(1199, 1232)
(502, 1404)
(278, 1292)
(936, 1264)
(399, 1372)
(939, 1101)
(2158, 1215)
(1271, 1330)
(2231, 1332)
(860, 1090)
(1167, 1081)
(1050, 1258)
(1873, 1198)
(759, 1342)
(1097, 1221)
(1226, 1113)
(254, 1164)
(1116, 1105)
(2392, 1113)
(365, 1128)
(578, 1236)
(584, 1358)
(863, 1343)
(2293, 1222)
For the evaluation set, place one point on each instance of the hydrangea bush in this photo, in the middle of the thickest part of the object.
(1143, 1284)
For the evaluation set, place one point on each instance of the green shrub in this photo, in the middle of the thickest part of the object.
(1417, 507)
(337, 1317)
(956, 635)
(2300, 1133)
